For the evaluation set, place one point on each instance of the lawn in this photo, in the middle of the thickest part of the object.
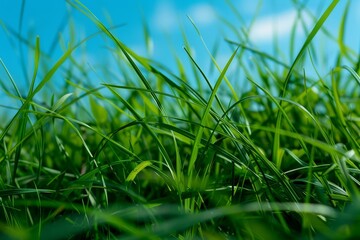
(260, 148)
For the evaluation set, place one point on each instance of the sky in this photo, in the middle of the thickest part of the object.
(166, 21)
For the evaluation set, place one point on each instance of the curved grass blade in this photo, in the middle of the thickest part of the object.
(137, 169)
(310, 37)
(196, 145)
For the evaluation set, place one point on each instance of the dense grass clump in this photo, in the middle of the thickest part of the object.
(266, 151)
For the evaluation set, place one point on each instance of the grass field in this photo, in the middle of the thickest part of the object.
(266, 149)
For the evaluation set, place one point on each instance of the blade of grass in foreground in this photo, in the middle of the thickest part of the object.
(353, 73)
(23, 119)
(43, 82)
(214, 63)
(196, 146)
(146, 126)
(317, 27)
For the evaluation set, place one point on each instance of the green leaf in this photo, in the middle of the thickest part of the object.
(99, 112)
(310, 37)
(137, 169)
(58, 104)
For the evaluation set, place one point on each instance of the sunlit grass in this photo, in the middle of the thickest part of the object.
(148, 153)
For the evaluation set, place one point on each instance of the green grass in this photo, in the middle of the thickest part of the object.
(148, 154)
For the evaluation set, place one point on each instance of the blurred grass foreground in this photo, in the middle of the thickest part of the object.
(260, 148)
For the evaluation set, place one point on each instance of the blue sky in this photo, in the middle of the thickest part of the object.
(165, 19)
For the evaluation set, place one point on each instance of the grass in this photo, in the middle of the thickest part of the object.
(145, 154)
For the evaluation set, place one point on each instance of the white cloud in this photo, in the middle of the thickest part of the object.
(266, 28)
(248, 6)
(202, 14)
(165, 17)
